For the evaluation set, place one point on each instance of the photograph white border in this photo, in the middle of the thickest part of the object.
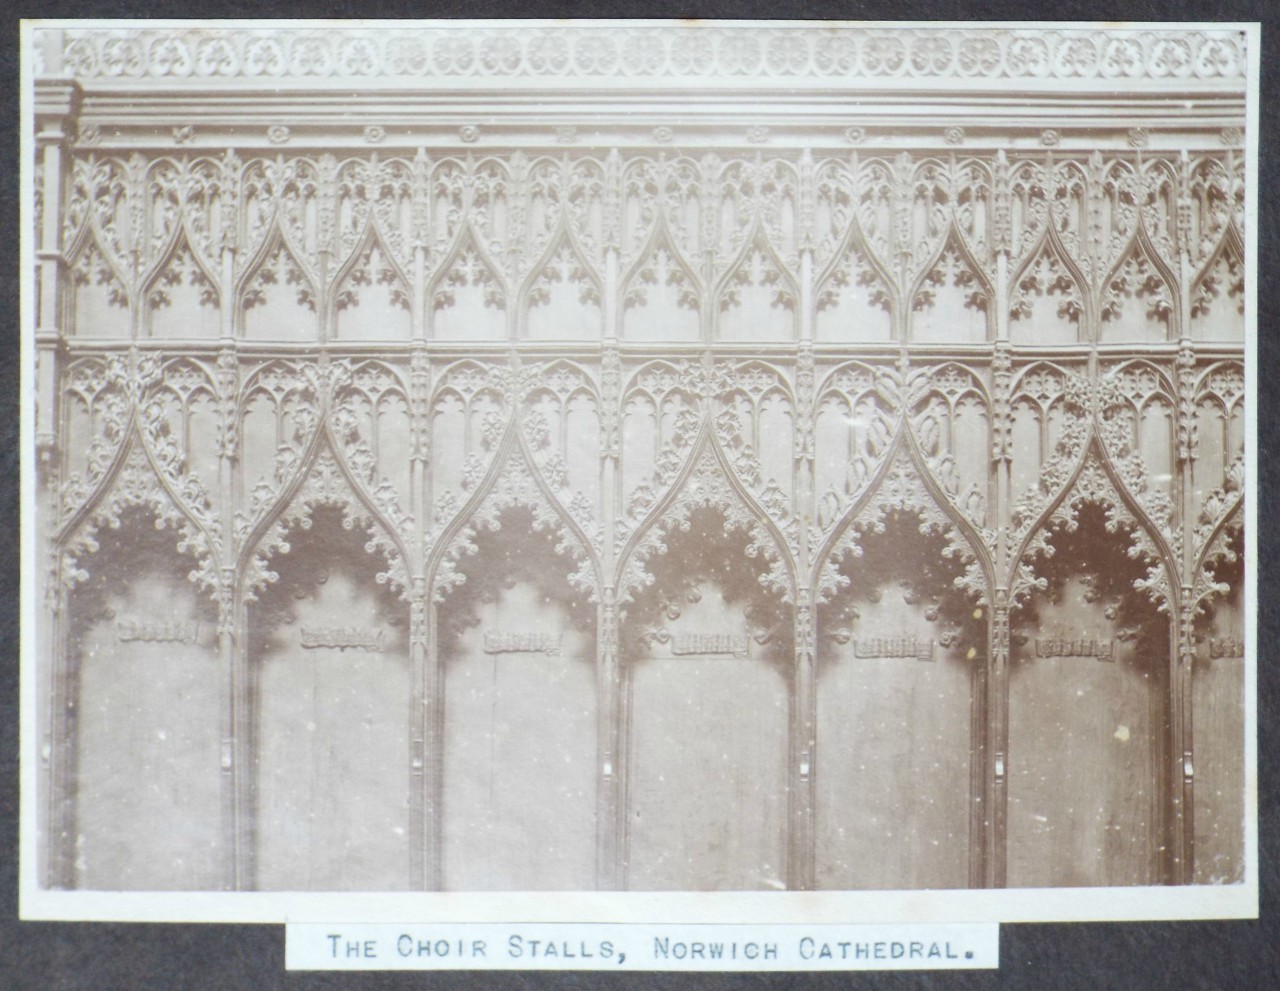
(968, 905)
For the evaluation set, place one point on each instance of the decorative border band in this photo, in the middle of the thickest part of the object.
(601, 51)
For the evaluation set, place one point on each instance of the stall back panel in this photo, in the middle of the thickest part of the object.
(894, 727)
(333, 693)
(519, 749)
(150, 715)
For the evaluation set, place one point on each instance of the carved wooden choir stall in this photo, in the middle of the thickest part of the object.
(756, 494)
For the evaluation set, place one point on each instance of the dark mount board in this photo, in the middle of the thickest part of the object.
(1211, 955)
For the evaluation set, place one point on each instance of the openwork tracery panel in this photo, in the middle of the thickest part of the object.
(812, 339)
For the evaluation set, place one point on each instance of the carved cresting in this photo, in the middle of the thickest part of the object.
(985, 338)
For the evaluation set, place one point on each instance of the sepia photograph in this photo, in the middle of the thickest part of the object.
(622, 467)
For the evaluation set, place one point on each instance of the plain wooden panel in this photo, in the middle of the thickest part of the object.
(1217, 714)
(150, 713)
(1082, 767)
(520, 750)
(707, 776)
(892, 774)
(707, 789)
(333, 744)
(897, 648)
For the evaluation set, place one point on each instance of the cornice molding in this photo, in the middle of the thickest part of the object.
(602, 55)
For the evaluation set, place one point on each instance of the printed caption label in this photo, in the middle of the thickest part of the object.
(635, 946)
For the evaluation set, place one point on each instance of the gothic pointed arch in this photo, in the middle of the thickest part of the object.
(1095, 480)
(468, 292)
(1049, 296)
(325, 479)
(282, 196)
(277, 294)
(374, 192)
(1218, 290)
(562, 296)
(661, 412)
(1158, 206)
(1217, 544)
(179, 282)
(98, 397)
(757, 281)
(707, 480)
(753, 415)
(177, 416)
(1137, 301)
(376, 452)
(1050, 405)
(856, 284)
(279, 414)
(134, 480)
(902, 483)
(951, 281)
(1138, 414)
(513, 480)
(561, 422)
(659, 276)
(101, 291)
(372, 279)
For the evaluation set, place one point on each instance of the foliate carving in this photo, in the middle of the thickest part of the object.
(707, 485)
(758, 269)
(467, 270)
(565, 267)
(610, 398)
(106, 391)
(1001, 404)
(228, 405)
(1093, 485)
(899, 489)
(854, 269)
(1214, 188)
(135, 483)
(670, 394)
(659, 270)
(514, 486)
(1042, 387)
(1137, 278)
(370, 196)
(1120, 401)
(371, 268)
(326, 484)
(420, 407)
(805, 394)
(91, 268)
(751, 402)
(879, 230)
(1220, 545)
(291, 393)
(166, 404)
(1221, 283)
(182, 269)
(1048, 278)
(588, 52)
(279, 267)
